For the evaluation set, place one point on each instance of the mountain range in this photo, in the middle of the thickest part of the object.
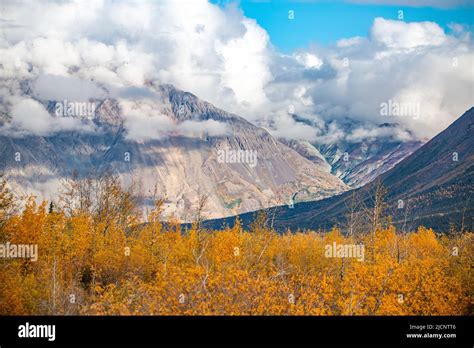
(431, 187)
(180, 165)
(240, 168)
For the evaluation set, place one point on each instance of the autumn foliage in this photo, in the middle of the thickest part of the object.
(105, 258)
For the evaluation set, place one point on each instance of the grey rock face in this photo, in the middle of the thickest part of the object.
(242, 170)
(359, 163)
(356, 162)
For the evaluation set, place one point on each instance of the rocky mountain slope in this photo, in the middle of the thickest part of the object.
(357, 162)
(240, 167)
(431, 187)
(367, 159)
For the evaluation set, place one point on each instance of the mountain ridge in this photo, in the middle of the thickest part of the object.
(181, 163)
(435, 189)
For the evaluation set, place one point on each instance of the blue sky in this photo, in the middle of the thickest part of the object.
(324, 23)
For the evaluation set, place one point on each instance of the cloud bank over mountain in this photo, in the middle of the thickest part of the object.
(78, 50)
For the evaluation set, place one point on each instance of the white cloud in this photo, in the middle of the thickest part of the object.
(364, 133)
(144, 121)
(198, 129)
(147, 120)
(309, 61)
(58, 88)
(31, 117)
(227, 59)
(350, 41)
(217, 54)
(333, 135)
(403, 62)
(284, 126)
(398, 34)
(245, 63)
